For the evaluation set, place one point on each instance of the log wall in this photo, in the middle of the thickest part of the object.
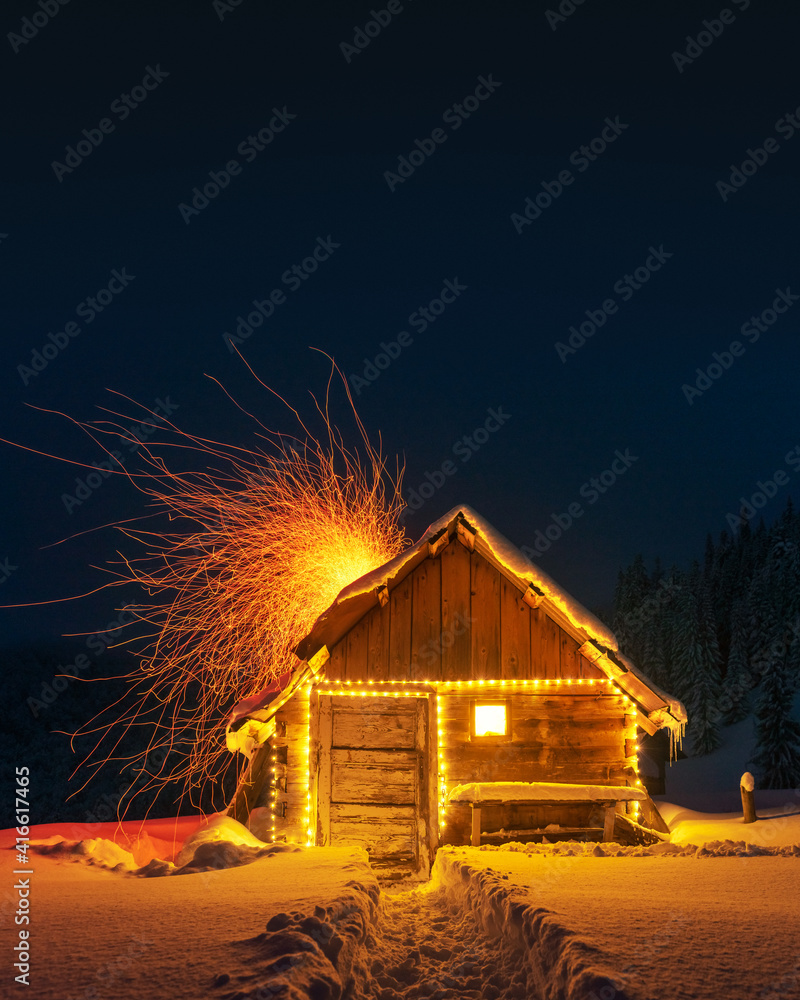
(291, 746)
(576, 738)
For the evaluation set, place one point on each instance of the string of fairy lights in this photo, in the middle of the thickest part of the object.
(439, 690)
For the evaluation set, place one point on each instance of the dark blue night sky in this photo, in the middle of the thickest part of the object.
(373, 201)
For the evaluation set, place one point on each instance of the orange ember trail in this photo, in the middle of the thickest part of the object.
(263, 542)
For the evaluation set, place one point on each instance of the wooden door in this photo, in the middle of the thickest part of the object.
(372, 777)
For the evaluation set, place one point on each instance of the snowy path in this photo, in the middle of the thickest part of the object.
(102, 935)
(693, 927)
(424, 949)
(560, 922)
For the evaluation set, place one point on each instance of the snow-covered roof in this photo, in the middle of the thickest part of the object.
(506, 555)
(598, 642)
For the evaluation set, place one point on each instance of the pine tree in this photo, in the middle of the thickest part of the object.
(630, 610)
(738, 679)
(764, 628)
(668, 627)
(710, 557)
(723, 589)
(654, 661)
(703, 698)
(777, 756)
(685, 641)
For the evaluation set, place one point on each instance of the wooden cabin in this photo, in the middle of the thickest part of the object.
(454, 669)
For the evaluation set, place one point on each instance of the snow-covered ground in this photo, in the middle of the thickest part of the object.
(777, 826)
(658, 926)
(98, 933)
(711, 914)
(240, 920)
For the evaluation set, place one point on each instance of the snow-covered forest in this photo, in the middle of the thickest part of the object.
(724, 636)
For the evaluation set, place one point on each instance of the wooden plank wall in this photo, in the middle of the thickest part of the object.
(371, 774)
(456, 617)
(554, 737)
(292, 731)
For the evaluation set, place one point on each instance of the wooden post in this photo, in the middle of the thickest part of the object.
(608, 822)
(746, 786)
(323, 783)
(476, 825)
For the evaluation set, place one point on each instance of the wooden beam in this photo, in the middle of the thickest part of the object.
(400, 631)
(570, 661)
(475, 838)
(337, 665)
(424, 780)
(466, 535)
(432, 752)
(609, 818)
(358, 651)
(644, 722)
(379, 628)
(591, 652)
(323, 782)
(313, 763)
(532, 597)
(319, 659)
(426, 624)
(438, 542)
(652, 816)
(550, 666)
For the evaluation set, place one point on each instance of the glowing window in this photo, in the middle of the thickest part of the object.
(490, 718)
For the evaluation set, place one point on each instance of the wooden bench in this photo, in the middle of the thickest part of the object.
(542, 793)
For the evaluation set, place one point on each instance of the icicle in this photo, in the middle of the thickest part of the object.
(677, 731)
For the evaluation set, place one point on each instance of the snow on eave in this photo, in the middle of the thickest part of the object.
(262, 707)
(672, 706)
